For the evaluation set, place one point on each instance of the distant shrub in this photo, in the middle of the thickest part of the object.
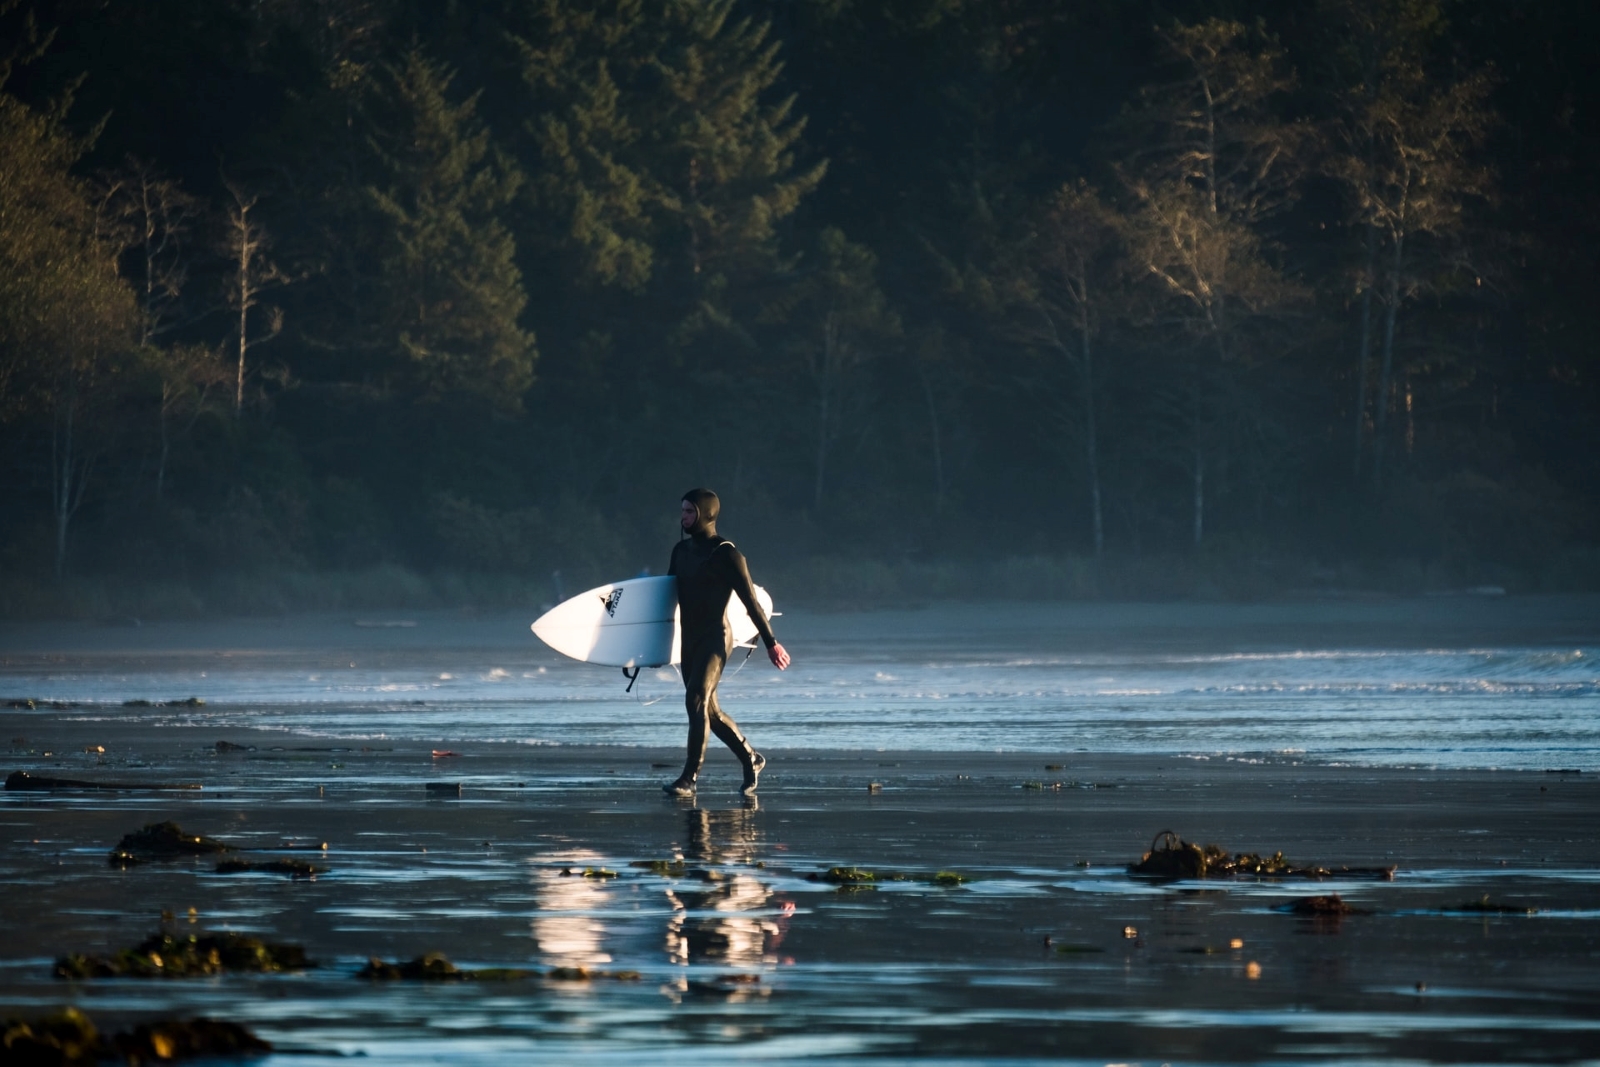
(568, 536)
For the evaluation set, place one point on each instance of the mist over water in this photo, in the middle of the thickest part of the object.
(1450, 683)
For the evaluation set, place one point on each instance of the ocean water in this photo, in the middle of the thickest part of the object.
(1446, 682)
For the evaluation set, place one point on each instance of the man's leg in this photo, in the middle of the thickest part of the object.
(702, 669)
(727, 732)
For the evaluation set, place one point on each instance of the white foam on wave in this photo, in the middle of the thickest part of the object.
(1510, 705)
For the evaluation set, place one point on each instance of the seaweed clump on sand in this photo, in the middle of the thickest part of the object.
(164, 841)
(1484, 906)
(589, 974)
(1332, 906)
(675, 868)
(1170, 856)
(166, 955)
(69, 1039)
(862, 878)
(293, 868)
(436, 967)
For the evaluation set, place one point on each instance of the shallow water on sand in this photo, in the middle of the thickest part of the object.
(1449, 682)
(1049, 953)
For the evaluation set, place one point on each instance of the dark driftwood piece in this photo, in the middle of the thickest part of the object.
(293, 868)
(22, 781)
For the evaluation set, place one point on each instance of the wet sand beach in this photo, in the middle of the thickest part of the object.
(1031, 958)
(704, 928)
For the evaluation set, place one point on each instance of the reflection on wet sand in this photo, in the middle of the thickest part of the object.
(717, 921)
(567, 926)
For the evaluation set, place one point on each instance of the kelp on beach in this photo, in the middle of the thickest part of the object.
(859, 877)
(166, 955)
(436, 967)
(164, 840)
(1170, 856)
(69, 1038)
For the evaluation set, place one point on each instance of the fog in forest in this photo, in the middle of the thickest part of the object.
(342, 304)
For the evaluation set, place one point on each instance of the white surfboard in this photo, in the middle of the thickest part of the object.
(632, 623)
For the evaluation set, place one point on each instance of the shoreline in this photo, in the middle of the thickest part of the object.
(828, 584)
(1565, 617)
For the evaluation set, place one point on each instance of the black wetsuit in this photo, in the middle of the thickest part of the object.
(709, 569)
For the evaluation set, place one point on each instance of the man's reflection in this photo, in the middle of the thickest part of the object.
(713, 920)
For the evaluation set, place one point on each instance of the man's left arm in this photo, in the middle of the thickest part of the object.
(745, 589)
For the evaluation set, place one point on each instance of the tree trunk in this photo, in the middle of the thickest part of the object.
(61, 483)
(822, 448)
(244, 307)
(1364, 358)
(694, 230)
(147, 328)
(1199, 471)
(69, 472)
(166, 442)
(1211, 147)
(825, 382)
(1091, 441)
(1386, 374)
(938, 449)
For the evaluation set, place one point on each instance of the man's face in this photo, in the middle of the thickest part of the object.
(690, 515)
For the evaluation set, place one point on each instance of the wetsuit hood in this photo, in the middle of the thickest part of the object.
(707, 507)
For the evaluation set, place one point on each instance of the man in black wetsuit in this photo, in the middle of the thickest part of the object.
(708, 569)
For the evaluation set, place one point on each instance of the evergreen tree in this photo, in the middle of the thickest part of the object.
(663, 161)
(449, 280)
(593, 180)
(729, 172)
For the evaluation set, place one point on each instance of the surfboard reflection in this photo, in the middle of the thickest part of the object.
(567, 927)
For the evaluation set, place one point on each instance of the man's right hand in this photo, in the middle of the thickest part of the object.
(779, 658)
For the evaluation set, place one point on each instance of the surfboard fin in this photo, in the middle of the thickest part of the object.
(632, 677)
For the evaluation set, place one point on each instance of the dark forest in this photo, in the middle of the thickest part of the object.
(369, 303)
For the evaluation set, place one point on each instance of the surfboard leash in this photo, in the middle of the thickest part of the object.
(633, 676)
(749, 651)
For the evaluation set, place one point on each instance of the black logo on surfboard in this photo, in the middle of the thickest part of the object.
(612, 601)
